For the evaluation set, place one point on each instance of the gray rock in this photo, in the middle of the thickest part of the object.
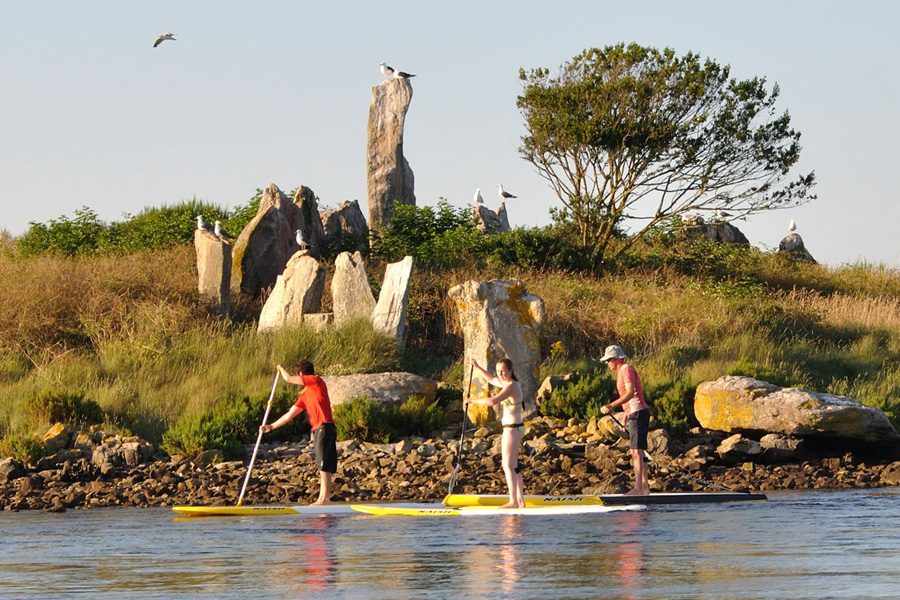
(793, 246)
(10, 469)
(501, 319)
(737, 448)
(308, 222)
(489, 221)
(389, 177)
(389, 314)
(297, 292)
(345, 227)
(388, 388)
(715, 231)
(213, 269)
(659, 442)
(746, 405)
(350, 290)
(263, 248)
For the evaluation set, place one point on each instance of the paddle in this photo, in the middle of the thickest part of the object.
(462, 434)
(258, 439)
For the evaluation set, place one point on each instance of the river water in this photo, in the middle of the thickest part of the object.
(810, 544)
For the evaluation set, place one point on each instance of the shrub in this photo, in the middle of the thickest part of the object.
(362, 419)
(415, 417)
(583, 396)
(229, 425)
(64, 407)
(673, 406)
(25, 448)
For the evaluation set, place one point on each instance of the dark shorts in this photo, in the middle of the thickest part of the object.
(325, 438)
(638, 426)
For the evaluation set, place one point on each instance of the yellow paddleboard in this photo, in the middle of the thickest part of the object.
(252, 511)
(458, 500)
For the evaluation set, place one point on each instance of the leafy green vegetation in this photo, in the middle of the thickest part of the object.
(26, 448)
(371, 421)
(63, 407)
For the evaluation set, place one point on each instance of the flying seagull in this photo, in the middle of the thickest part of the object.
(478, 199)
(221, 233)
(793, 225)
(203, 226)
(386, 70)
(164, 37)
(504, 195)
(300, 241)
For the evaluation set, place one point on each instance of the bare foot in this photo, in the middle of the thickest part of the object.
(636, 492)
(321, 502)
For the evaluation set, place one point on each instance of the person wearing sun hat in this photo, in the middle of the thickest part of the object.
(637, 413)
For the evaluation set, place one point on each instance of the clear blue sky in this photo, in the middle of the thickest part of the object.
(264, 92)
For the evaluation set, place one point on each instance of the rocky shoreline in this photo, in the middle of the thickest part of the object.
(574, 457)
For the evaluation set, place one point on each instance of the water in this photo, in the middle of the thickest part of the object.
(815, 544)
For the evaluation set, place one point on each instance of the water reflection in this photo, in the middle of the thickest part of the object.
(308, 560)
(630, 554)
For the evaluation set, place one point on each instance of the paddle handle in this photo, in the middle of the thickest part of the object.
(258, 440)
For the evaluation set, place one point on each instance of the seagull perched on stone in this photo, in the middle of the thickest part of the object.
(478, 199)
(300, 240)
(221, 233)
(503, 194)
(386, 70)
(793, 225)
(402, 75)
(203, 226)
(164, 37)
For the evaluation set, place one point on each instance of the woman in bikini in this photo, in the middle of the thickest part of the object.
(510, 398)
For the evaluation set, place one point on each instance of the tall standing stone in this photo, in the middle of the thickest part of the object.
(297, 292)
(389, 315)
(213, 269)
(350, 290)
(389, 176)
(500, 319)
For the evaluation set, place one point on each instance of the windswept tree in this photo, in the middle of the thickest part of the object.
(633, 133)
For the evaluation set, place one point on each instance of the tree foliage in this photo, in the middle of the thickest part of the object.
(638, 134)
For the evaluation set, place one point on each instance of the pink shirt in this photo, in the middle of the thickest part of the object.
(624, 374)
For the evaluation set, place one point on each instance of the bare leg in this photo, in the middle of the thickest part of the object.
(324, 489)
(512, 439)
(641, 481)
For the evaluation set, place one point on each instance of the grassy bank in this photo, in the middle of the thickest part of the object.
(132, 334)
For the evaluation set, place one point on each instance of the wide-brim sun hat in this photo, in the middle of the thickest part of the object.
(613, 352)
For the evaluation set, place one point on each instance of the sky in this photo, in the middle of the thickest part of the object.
(278, 92)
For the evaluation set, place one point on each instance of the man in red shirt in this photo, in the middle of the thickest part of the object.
(314, 400)
(637, 413)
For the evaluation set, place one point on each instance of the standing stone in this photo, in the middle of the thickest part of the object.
(297, 291)
(264, 246)
(389, 315)
(308, 222)
(345, 227)
(489, 221)
(350, 290)
(214, 269)
(389, 177)
(500, 319)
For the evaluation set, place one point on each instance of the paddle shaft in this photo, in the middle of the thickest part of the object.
(649, 459)
(258, 440)
(462, 434)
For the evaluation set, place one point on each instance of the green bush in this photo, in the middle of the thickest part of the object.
(362, 419)
(64, 407)
(25, 448)
(582, 396)
(673, 406)
(231, 424)
(415, 417)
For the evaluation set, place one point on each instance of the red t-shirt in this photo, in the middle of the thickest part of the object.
(625, 374)
(314, 400)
